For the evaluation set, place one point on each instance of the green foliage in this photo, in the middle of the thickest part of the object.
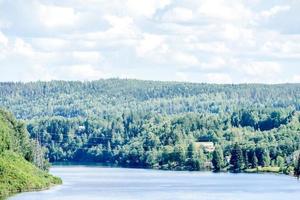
(280, 162)
(266, 159)
(254, 161)
(195, 158)
(17, 172)
(297, 166)
(159, 124)
(18, 175)
(218, 159)
(236, 160)
(264, 170)
(103, 97)
(13, 135)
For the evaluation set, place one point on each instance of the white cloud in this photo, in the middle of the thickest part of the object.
(261, 68)
(21, 47)
(151, 44)
(181, 76)
(274, 11)
(56, 16)
(122, 31)
(3, 39)
(224, 10)
(211, 47)
(50, 44)
(145, 7)
(226, 40)
(82, 72)
(217, 78)
(277, 46)
(4, 24)
(121, 25)
(233, 32)
(28, 72)
(87, 56)
(178, 14)
(185, 59)
(295, 79)
(36, 73)
(216, 63)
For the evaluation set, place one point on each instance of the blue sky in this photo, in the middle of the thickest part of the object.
(215, 41)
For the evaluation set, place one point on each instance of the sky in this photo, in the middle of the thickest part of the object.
(213, 41)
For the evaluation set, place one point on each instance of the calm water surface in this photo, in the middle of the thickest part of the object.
(100, 183)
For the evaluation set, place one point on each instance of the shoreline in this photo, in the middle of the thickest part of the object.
(258, 170)
(14, 193)
(99, 165)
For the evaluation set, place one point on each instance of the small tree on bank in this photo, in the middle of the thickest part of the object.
(236, 160)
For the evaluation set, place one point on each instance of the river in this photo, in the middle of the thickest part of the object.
(104, 183)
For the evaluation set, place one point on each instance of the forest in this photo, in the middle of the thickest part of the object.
(162, 125)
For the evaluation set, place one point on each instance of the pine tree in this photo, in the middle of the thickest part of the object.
(218, 159)
(236, 159)
(254, 160)
(246, 158)
(280, 162)
(266, 158)
(193, 161)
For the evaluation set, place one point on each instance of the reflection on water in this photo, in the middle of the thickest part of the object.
(103, 183)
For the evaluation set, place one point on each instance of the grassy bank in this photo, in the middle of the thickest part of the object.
(18, 175)
(18, 171)
(265, 170)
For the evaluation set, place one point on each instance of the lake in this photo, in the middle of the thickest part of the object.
(104, 183)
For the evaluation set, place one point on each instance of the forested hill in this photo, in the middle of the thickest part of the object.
(97, 98)
(165, 125)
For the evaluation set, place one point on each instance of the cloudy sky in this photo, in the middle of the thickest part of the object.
(219, 41)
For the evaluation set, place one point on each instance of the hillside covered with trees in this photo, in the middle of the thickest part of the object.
(18, 171)
(164, 125)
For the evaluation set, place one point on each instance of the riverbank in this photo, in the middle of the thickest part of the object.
(18, 175)
(271, 169)
(286, 170)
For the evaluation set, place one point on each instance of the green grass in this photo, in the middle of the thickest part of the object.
(264, 169)
(19, 175)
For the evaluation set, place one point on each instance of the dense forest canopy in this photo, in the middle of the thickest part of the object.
(167, 125)
(99, 98)
(14, 137)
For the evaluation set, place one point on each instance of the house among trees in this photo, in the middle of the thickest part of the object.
(207, 146)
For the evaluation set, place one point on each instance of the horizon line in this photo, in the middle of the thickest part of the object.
(150, 80)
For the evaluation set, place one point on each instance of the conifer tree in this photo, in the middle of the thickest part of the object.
(266, 158)
(236, 159)
(218, 159)
(254, 160)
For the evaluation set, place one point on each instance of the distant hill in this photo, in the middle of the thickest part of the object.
(82, 99)
(157, 124)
